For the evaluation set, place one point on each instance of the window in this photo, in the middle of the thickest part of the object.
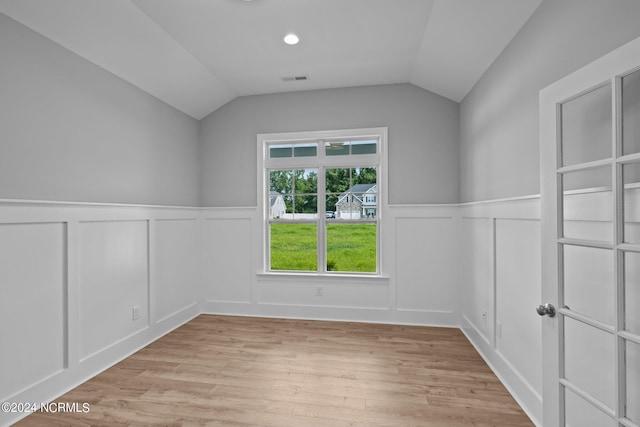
(321, 194)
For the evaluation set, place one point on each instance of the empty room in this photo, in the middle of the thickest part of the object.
(274, 213)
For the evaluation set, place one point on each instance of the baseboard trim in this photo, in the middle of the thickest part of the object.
(58, 384)
(522, 392)
(340, 314)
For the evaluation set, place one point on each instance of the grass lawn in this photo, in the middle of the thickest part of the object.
(350, 247)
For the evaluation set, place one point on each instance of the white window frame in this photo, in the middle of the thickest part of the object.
(379, 160)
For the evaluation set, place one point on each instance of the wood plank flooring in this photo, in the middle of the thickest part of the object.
(253, 372)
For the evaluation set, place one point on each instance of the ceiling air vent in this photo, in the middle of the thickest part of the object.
(295, 78)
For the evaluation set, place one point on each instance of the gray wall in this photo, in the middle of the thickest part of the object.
(499, 154)
(71, 131)
(423, 138)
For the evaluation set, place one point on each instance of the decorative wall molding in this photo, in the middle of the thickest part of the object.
(500, 275)
(214, 250)
(72, 274)
(386, 298)
(525, 207)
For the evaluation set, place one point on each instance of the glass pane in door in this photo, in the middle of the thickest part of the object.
(587, 204)
(631, 179)
(588, 282)
(589, 360)
(586, 127)
(632, 353)
(631, 113)
(632, 292)
(580, 413)
(633, 381)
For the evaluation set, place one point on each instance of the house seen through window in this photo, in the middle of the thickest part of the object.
(322, 204)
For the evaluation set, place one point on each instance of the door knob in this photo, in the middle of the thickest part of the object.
(546, 310)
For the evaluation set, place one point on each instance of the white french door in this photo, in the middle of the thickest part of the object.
(590, 185)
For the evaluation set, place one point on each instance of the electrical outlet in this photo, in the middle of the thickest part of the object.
(319, 291)
(499, 330)
(135, 312)
(484, 317)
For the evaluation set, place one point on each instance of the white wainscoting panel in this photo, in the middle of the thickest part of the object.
(518, 288)
(500, 246)
(70, 275)
(421, 260)
(331, 292)
(113, 280)
(476, 274)
(425, 274)
(177, 261)
(32, 304)
(227, 259)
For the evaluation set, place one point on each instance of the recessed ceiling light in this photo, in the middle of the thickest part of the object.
(291, 39)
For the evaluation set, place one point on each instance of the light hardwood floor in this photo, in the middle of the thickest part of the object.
(250, 372)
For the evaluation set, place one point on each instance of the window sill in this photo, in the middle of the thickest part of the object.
(324, 277)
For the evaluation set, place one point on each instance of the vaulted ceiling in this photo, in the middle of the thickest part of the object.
(197, 55)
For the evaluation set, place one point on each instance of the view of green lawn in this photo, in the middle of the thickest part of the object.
(350, 247)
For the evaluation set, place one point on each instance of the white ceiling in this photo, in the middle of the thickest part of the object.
(197, 55)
